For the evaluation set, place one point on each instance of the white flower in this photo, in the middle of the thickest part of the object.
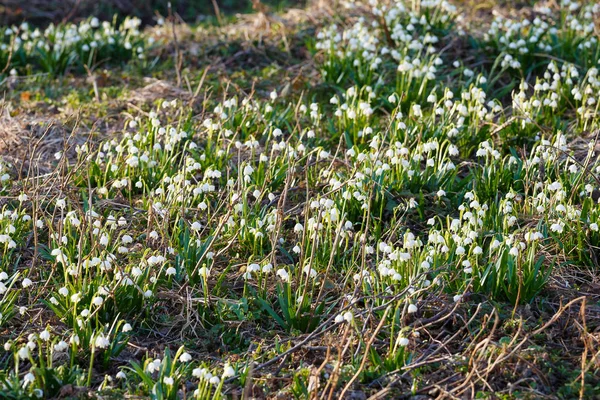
(248, 170)
(27, 379)
(402, 341)
(23, 353)
(228, 371)
(185, 357)
(26, 282)
(168, 381)
(171, 271)
(283, 274)
(45, 335)
(101, 342)
(61, 346)
(153, 366)
(348, 316)
(412, 309)
(558, 227)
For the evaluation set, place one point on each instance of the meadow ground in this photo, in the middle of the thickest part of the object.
(324, 199)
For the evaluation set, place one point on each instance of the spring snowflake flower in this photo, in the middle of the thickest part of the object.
(557, 227)
(402, 341)
(45, 335)
(417, 110)
(185, 357)
(283, 275)
(412, 309)
(23, 353)
(61, 346)
(28, 379)
(168, 381)
(228, 371)
(101, 342)
(199, 372)
(204, 272)
(153, 366)
(348, 316)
